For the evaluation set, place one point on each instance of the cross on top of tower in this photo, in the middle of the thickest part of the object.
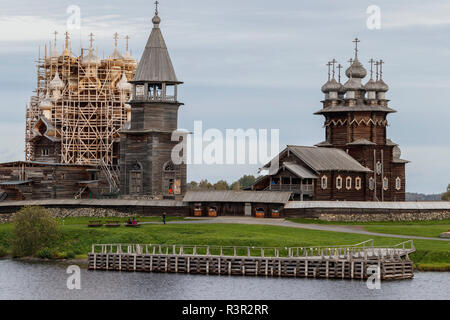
(333, 62)
(329, 68)
(127, 38)
(381, 62)
(356, 41)
(55, 33)
(91, 39)
(156, 7)
(116, 37)
(371, 61)
(339, 72)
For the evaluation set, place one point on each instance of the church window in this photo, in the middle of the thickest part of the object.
(324, 182)
(385, 183)
(45, 152)
(348, 183)
(358, 183)
(169, 178)
(379, 167)
(398, 183)
(339, 182)
(136, 179)
(371, 183)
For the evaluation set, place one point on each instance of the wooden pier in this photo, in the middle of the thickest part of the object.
(340, 262)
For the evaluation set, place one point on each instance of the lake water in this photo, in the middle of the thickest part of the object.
(37, 280)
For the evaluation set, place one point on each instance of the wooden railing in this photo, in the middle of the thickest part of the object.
(364, 250)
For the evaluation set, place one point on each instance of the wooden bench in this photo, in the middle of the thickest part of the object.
(95, 224)
(112, 224)
(130, 225)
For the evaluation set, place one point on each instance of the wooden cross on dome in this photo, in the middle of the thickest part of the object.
(333, 62)
(55, 33)
(339, 72)
(371, 61)
(156, 7)
(116, 37)
(356, 41)
(329, 67)
(91, 39)
(381, 68)
(127, 38)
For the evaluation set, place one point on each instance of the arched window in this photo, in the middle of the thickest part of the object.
(358, 183)
(371, 183)
(385, 183)
(324, 182)
(136, 179)
(169, 178)
(339, 182)
(398, 183)
(348, 183)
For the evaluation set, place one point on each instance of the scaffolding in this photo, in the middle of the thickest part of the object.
(88, 103)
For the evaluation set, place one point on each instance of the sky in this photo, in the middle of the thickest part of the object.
(256, 64)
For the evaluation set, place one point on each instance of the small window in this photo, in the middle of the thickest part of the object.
(140, 91)
(45, 152)
(339, 182)
(296, 181)
(371, 183)
(348, 183)
(398, 183)
(385, 183)
(324, 182)
(286, 180)
(379, 168)
(358, 183)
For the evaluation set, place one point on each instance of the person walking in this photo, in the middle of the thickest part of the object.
(164, 218)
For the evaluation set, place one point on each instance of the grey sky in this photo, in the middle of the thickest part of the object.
(257, 64)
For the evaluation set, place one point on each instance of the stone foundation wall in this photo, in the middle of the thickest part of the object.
(408, 216)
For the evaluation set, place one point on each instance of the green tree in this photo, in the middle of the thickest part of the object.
(34, 228)
(235, 186)
(446, 195)
(205, 185)
(193, 185)
(221, 185)
(247, 181)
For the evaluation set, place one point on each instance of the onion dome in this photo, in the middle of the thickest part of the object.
(371, 85)
(91, 58)
(331, 86)
(356, 70)
(396, 152)
(352, 85)
(56, 83)
(123, 84)
(46, 104)
(381, 86)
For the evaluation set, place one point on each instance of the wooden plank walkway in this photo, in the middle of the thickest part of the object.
(342, 262)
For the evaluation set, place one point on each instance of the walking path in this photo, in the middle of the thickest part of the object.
(286, 223)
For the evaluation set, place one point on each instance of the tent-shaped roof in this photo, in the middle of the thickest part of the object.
(155, 64)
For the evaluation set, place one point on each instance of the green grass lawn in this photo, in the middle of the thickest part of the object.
(410, 228)
(77, 239)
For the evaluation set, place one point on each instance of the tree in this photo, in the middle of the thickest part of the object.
(205, 185)
(446, 195)
(247, 181)
(34, 228)
(193, 185)
(235, 186)
(221, 185)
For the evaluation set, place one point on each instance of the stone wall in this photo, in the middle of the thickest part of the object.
(407, 216)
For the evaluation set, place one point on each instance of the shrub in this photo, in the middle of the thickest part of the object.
(3, 252)
(70, 255)
(34, 229)
(46, 253)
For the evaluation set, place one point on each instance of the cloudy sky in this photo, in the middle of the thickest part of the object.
(256, 64)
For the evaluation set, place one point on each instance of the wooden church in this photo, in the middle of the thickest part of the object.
(356, 162)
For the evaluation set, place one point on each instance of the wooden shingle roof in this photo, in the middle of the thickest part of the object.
(327, 159)
(238, 196)
(155, 64)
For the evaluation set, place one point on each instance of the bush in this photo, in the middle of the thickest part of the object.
(70, 255)
(3, 252)
(34, 229)
(46, 253)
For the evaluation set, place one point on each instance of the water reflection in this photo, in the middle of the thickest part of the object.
(31, 280)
